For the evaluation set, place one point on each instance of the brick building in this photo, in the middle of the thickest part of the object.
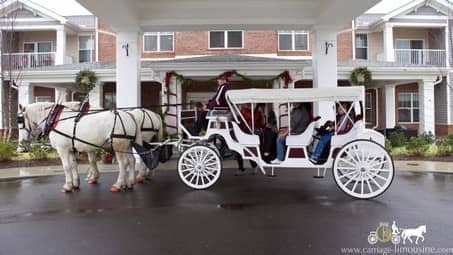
(407, 50)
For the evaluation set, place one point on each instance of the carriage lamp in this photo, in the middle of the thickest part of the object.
(126, 47)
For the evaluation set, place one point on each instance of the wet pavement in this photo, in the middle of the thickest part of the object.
(289, 214)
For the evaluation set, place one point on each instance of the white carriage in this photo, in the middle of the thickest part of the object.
(361, 166)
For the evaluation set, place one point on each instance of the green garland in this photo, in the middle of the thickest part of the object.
(85, 80)
(361, 76)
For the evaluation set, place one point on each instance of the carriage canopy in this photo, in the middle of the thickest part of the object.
(242, 96)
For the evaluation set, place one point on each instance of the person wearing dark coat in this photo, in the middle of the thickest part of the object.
(219, 99)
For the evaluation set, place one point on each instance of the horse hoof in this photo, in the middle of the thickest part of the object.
(92, 181)
(130, 188)
(63, 190)
(114, 189)
(139, 180)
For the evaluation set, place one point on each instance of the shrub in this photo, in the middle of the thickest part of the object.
(388, 144)
(429, 137)
(397, 139)
(417, 146)
(37, 152)
(445, 145)
(7, 151)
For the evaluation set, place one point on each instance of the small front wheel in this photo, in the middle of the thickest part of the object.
(199, 166)
(363, 169)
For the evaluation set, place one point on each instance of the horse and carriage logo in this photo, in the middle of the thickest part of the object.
(384, 234)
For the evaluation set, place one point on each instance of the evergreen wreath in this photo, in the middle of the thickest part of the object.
(86, 80)
(361, 76)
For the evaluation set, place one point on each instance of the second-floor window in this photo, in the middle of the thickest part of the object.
(292, 40)
(408, 107)
(86, 48)
(226, 39)
(158, 41)
(361, 46)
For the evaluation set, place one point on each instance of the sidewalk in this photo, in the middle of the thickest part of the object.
(27, 172)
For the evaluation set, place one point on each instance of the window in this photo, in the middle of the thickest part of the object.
(159, 41)
(43, 99)
(292, 40)
(408, 107)
(369, 114)
(31, 47)
(361, 46)
(226, 39)
(86, 48)
(109, 100)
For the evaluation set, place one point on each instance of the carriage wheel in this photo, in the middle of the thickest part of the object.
(199, 167)
(363, 169)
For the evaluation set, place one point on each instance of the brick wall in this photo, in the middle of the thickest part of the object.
(43, 91)
(107, 43)
(344, 46)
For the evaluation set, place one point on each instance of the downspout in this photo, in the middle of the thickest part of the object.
(96, 22)
(376, 111)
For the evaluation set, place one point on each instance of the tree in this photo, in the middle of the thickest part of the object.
(10, 70)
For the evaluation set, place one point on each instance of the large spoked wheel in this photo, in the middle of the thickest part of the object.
(199, 166)
(363, 169)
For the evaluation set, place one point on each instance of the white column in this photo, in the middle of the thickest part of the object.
(426, 104)
(60, 52)
(25, 93)
(95, 96)
(447, 46)
(325, 68)
(390, 120)
(388, 43)
(1, 105)
(61, 94)
(25, 97)
(127, 69)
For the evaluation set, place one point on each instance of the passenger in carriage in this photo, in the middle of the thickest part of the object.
(201, 122)
(343, 125)
(247, 114)
(299, 121)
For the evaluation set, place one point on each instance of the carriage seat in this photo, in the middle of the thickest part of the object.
(244, 138)
(304, 138)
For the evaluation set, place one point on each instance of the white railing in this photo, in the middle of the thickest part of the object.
(28, 60)
(421, 57)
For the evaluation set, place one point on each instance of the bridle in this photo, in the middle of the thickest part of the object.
(23, 123)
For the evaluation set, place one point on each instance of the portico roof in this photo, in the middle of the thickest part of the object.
(178, 15)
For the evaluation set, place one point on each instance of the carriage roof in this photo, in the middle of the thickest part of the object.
(240, 96)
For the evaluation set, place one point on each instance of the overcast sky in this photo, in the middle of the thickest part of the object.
(72, 7)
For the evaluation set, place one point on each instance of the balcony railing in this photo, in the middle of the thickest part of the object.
(23, 60)
(421, 57)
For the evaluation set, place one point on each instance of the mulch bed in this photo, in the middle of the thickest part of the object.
(434, 158)
(32, 163)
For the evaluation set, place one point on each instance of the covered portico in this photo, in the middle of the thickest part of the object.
(130, 18)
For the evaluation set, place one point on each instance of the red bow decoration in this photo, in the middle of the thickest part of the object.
(168, 76)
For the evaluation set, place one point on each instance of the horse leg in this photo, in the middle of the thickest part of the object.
(74, 171)
(141, 170)
(93, 175)
(65, 160)
(121, 181)
(131, 168)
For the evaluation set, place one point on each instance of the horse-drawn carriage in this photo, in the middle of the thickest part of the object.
(361, 166)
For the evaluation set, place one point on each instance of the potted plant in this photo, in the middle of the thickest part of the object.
(107, 157)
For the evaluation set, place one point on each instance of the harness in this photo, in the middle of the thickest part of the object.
(54, 118)
(152, 128)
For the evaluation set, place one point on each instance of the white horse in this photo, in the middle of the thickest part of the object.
(151, 127)
(102, 129)
(410, 232)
